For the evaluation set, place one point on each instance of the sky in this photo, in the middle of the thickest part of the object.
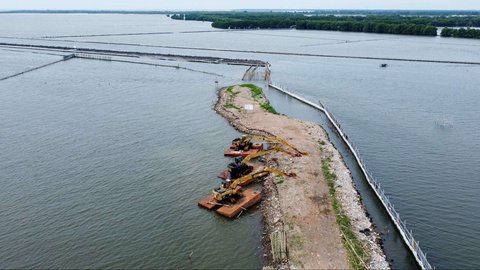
(238, 4)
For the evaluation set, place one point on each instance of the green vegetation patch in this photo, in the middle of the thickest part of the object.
(357, 254)
(254, 90)
(229, 104)
(257, 93)
(460, 33)
(380, 22)
(232, 94)
(269, 108)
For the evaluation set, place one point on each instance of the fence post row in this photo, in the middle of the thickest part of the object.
(407, 236)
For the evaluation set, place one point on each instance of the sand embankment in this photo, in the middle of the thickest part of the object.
(302, 205)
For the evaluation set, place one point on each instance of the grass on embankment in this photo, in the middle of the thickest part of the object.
(357, 254)
(231, 98)
(269, 108)
(256, 93)
(254, 90)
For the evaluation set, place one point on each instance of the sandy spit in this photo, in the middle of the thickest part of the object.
(301, 205)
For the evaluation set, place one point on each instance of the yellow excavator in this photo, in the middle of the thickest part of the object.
(265, 152)
(230, 190)
(240, 166)
(244, 144)
(239, 173)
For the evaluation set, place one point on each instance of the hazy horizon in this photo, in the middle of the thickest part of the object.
(146, 5)
(232, 9)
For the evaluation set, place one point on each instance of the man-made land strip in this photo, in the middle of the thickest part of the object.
(286, 53)
(257, 52)
(300, 208)
(20, 50)
(174, 57)
(407, 236)
(309, 54)
(94, 57)
(106, 58)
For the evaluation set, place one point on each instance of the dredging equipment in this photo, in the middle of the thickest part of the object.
(231, 199)
(245, 145)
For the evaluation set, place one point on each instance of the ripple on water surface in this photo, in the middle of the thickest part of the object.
(102, 166)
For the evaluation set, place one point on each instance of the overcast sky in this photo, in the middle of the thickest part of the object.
(239, 4)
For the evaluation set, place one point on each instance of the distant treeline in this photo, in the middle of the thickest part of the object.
(401, 12)
(369, 27)
(379, 12)
(308, 11)
(391, 24)
(460, 33)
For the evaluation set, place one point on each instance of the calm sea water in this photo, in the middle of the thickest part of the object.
(99, 161)
(102, 165)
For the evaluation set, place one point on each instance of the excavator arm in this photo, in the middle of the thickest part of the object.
(247, 178)
(262, 153)
(234, 187)
(278, 172)
(263, 172)
(273, 140)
